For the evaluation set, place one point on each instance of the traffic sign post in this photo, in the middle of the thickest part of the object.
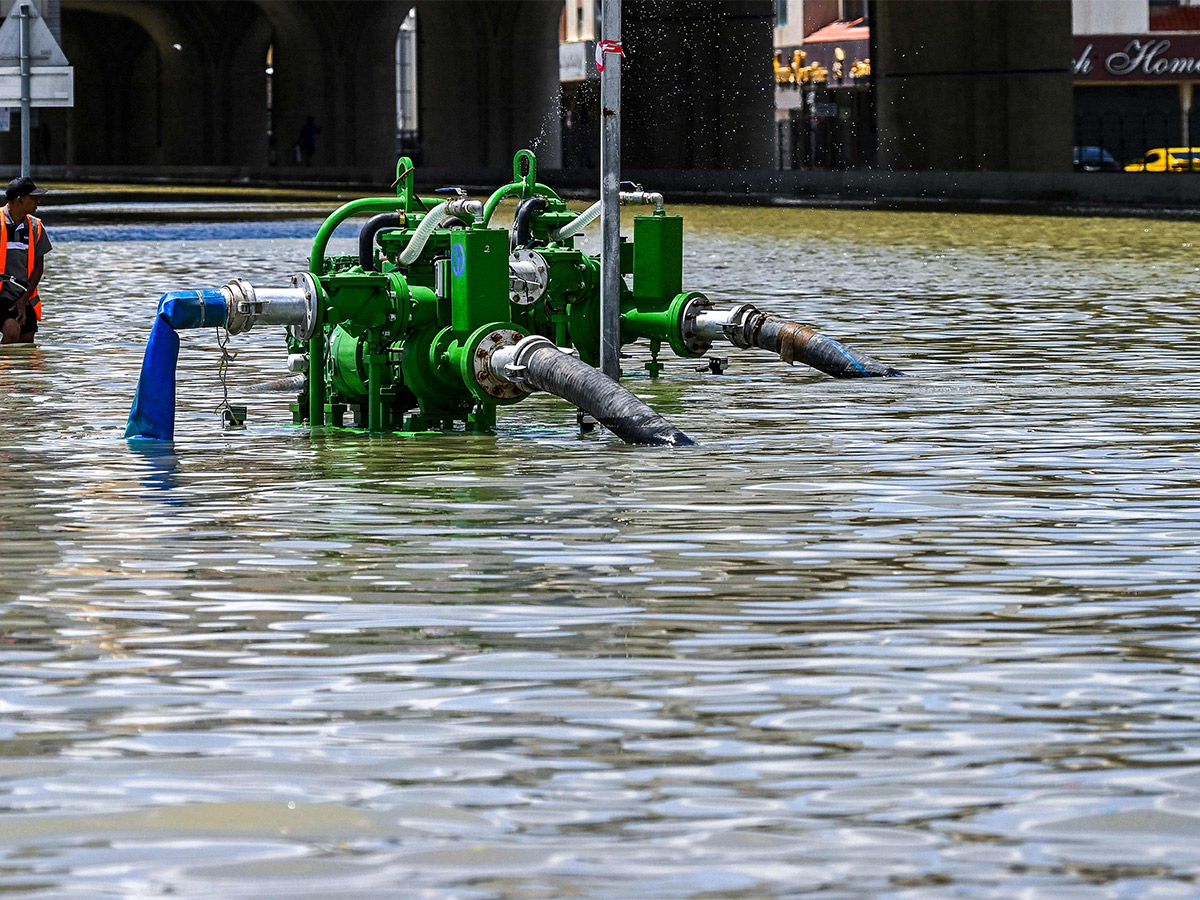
(33, 69)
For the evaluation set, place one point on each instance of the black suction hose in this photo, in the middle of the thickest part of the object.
(544, 367)
(366, 238)
(524, 218)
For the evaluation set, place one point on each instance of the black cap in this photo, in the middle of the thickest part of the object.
(22, 187)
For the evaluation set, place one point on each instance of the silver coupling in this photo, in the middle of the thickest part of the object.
(295, 307)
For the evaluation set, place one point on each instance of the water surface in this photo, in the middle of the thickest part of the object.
(932, 637)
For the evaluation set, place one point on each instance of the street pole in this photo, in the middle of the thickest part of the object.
(610, 185)
(23, 16)
(1185, 120)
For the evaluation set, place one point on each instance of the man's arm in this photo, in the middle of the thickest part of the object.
(22, 302)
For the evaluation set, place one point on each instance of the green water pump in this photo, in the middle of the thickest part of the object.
(442, 318)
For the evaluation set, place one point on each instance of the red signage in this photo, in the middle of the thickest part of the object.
(1136, 57)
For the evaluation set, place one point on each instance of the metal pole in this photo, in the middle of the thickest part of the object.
(1185, 120)
(23, 16)
(610, 201)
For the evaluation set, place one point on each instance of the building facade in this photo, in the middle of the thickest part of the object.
(824, 112)
(1135, 64)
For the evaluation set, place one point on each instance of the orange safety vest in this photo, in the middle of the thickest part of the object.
(30, 253)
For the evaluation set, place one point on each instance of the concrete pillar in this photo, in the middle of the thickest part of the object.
(970, 86)
(697, 85)
(301, 88)
(371, 88)
(488, 75)
(240, 37)
(116, 117)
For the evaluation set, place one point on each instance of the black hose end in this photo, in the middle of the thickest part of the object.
(678, 439)
(646, 431)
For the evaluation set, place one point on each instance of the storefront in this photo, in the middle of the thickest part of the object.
(823, 99)
(1134, 92)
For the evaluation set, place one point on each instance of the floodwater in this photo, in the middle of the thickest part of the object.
(925, 638)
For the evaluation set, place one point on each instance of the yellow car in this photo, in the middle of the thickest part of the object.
(1167, 159)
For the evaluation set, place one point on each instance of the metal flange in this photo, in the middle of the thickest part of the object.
(685, 310)
(239, 305)
(304, 330)
(484, 382)
(528, 277)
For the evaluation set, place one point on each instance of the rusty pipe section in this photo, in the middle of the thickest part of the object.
(746, 326)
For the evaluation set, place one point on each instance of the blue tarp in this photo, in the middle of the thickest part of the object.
(153, 412)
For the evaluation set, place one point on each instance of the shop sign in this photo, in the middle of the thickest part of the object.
(1136, 57)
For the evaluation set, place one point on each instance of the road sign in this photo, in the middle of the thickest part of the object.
(51, 78)
(43, 49)
(48, 86)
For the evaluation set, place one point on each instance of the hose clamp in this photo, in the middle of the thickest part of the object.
(240, 304)
(736, 328)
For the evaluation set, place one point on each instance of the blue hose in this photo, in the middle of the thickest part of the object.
(153, 412)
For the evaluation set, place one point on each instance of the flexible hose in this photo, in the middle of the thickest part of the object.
(794, 342)
(588, 216)
(428, 225)
(366, 239)
(576, 225)
(286, 384)
(541, 365)
(153, 411)
(523, 220)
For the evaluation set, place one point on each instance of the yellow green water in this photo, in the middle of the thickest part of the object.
(933, 637)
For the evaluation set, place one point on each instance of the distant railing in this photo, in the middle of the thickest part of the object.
(1128, 136)
(834, 130)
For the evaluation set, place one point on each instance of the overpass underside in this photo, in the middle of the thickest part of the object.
(219, 90)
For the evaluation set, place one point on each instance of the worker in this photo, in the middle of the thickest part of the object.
(20, 307)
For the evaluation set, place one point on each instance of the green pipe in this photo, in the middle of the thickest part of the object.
(316, 262)
(651, 324)
(375, 374)
(316, 378)
(493, 201)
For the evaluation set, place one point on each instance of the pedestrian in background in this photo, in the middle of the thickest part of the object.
(23, 247)
(306, 144)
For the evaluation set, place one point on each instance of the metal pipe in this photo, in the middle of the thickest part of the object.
(24, 14)
(470, 211)
(610, 187)
(316, 259)
(295, 307)
(535, 362)
(585, 218)
(515, 187)
(497, 196)
(316, 379)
